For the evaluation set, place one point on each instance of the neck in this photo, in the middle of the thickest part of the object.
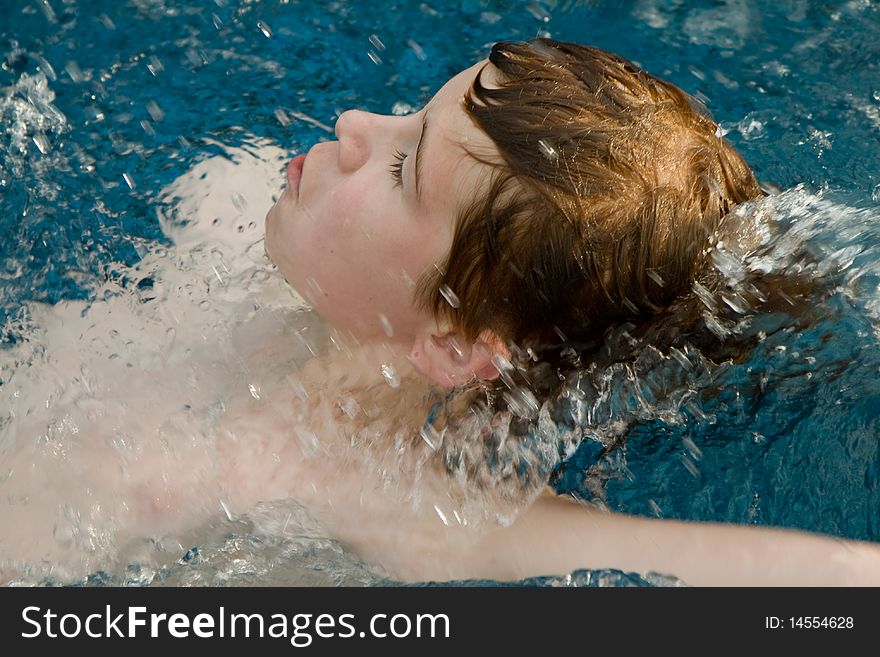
(348, 364)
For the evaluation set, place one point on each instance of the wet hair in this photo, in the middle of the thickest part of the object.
(610, 186)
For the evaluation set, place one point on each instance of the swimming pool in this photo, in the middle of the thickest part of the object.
(127, 126)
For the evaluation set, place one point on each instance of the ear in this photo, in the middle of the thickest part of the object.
(450, 359)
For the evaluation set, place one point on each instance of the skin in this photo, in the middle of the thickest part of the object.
(351, 241)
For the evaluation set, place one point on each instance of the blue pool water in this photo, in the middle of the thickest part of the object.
(105, 104)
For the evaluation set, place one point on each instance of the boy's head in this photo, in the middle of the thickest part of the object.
(560, 189)
(611, 184)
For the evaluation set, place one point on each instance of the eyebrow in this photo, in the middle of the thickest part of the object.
(418, 157)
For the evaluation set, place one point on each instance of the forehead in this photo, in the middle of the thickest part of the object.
(449, 175)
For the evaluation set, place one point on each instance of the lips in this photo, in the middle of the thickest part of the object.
(294, 172)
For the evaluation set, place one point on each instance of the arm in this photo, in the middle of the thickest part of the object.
(557, 536)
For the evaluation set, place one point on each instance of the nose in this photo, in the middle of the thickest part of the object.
(355, 138)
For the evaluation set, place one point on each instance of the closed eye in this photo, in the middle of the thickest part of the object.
(396, 169)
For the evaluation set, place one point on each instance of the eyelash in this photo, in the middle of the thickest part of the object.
(396, 169)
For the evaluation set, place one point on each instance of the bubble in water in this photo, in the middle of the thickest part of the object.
(265, 29)
(217, 22)
(390, 375)
(377, 42)
(450, 296)
(373, 56)
(128, 181)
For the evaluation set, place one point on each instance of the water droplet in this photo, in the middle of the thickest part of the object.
(655, 508)
(297, 387)
(696, 411)
(47, 68)
(239, 201)
(283, 119)
(390, 375)
(265, 29)
(690, 466)
(548, 150)
(654, 276)
(417, 49)
(154, 65)
(128, 181)
(196, 58)
(386, 325)
(450, 296)
(205, 304)
(501, 363)
(758, 438)
(74, 71)
(148, 128)
(105, 19)
(683, 360)
(536, 10)
(255, 393)
(349, 406)
(875, 194)
(692, 448)
(41, 143)
(217, 22)
(155, 111)
(522, 402)
(47, 10)
(377, 42)
(313, 289)
(373, 56)
(430, 435)
(440, 514)
(226, 511)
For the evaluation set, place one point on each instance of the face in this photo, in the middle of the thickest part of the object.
(352, 237)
